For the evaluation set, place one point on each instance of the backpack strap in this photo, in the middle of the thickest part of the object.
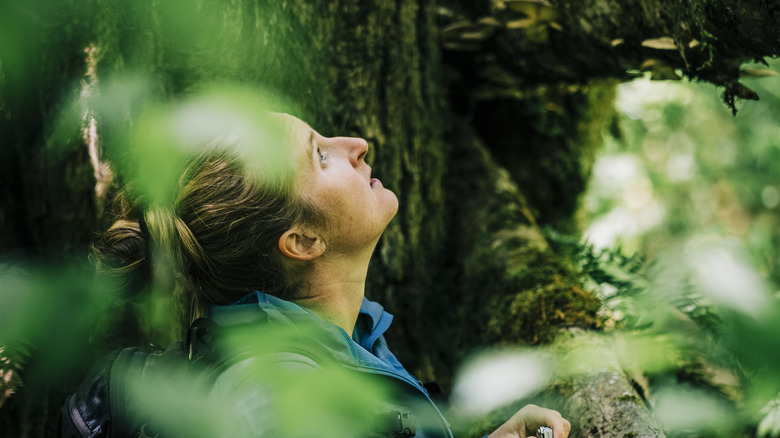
(393, 421)
(86, 413)
(127, 367)
(201, 340)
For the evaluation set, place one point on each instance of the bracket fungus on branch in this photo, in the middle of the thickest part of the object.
(554, 41)
(662, 43)
(468, 36)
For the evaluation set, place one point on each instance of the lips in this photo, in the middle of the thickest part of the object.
(374, 182)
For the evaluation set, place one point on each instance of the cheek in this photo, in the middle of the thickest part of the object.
(337, 207)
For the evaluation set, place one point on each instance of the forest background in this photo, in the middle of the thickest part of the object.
(626, 235)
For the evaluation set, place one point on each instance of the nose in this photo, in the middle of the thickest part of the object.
(355, 147)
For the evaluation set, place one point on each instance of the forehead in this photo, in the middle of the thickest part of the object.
(297, 135)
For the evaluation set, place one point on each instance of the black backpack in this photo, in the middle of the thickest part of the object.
(99, 407)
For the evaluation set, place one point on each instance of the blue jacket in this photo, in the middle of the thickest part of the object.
(365, 352)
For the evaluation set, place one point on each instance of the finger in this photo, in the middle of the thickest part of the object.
(561, 428)
(558, 425)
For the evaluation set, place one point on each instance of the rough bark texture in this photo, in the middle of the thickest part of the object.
(606, 401)
(47, 202)
(606, 404)
(484, 136)
(46, 182)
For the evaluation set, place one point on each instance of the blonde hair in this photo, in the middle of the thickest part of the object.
(216, 242)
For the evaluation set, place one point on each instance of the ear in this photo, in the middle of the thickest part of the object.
(298, 244)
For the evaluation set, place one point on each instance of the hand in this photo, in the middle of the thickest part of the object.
(525, 422)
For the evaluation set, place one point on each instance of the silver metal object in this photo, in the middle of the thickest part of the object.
(544, 432)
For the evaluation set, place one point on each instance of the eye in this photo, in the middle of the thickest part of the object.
(323, 157)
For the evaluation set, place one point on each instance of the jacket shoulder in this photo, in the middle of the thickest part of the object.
(87, 412)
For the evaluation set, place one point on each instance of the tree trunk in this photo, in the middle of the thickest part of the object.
(486, 130)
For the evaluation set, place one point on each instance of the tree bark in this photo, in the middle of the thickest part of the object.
(46, 180)
(486, 130)
(605, 404)
(604, 400)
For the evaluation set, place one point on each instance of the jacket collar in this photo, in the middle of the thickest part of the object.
(373, 321)
(366, 349)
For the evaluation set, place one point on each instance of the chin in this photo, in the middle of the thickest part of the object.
(394, 206)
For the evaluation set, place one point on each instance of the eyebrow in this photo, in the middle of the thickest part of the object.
(310, 146)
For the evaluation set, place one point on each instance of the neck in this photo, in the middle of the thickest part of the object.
(335, 290)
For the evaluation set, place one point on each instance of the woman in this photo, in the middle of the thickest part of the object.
(246, 245)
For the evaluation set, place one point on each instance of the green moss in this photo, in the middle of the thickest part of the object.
(547, 139)
(630, 398)
(532, 291)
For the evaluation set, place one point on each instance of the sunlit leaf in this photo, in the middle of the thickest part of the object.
(769, 426)
(757, 72)
(166, 136)
(689, 410)
(495, 379)
(723, 273)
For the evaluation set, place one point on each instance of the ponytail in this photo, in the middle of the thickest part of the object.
(216, 242)
(121, 257)
(146, 252)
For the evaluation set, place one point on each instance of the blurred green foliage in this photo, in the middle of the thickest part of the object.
(702, 321)
(47, 316)
(151, 152)
(53, 318)
(694, 191)
(260, 386)
(154, 80)
(681, 165)
(696, 322)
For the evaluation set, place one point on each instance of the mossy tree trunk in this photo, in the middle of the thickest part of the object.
(483, 119)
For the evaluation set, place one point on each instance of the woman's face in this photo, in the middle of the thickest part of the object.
(333, 175)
